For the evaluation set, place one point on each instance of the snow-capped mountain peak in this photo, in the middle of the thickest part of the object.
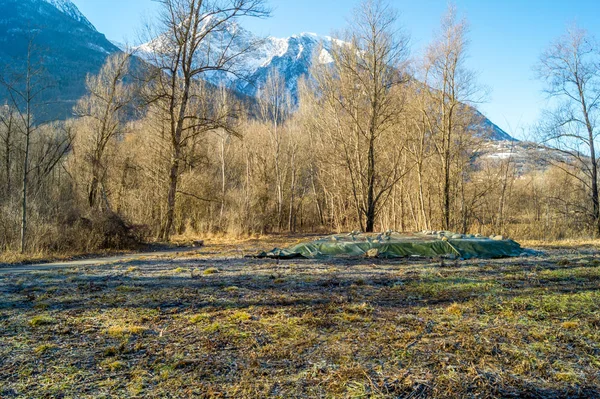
(68, 8)
(292, 57)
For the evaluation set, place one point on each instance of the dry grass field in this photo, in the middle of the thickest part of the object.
(213, 324)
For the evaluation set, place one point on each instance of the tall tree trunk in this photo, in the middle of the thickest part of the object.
(93, 192)
(223, 187)
(594, 161)
(291, 226)
(422, 207)
(173, 182)
(317, 199)
(446, 183)
(7, 158)
(24, 188)
(176, 133)
(371, 210)
(279, 181)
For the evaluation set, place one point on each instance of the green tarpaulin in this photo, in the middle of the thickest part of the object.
(396, 245)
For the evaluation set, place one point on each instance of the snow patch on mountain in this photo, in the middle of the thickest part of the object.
(98, 48)
(264, 54)
(68, 8)
(325, 57)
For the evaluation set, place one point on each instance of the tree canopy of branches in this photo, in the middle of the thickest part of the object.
(361, 93)
(195, 39)
(25, 88)
(102, 115)
(570, 69)
(446, 111)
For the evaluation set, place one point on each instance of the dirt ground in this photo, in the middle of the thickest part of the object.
(213, 324)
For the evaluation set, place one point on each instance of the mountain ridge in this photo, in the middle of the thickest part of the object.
(69, 8)
(77, 48)
(293, 57)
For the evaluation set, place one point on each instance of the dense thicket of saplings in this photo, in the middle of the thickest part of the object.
(377, 141)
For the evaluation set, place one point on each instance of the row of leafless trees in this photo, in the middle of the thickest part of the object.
(377, 141)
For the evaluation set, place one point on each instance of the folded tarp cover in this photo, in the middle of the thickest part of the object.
(428, 244)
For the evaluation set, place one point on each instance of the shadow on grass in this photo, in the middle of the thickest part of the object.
(366, 315)
(393, 284)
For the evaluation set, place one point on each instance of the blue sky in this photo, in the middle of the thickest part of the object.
(507, 37)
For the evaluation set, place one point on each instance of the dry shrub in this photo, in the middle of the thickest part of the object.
(74, 234)
(113, 232)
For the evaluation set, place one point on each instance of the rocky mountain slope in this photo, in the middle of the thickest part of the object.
(67, 44)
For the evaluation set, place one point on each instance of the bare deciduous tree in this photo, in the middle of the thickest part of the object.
(197, 38)
(570, 69)
(8, 124)
(24, 89)
(451, 87)
(274, 107)
(362, 92)
(102, 113)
